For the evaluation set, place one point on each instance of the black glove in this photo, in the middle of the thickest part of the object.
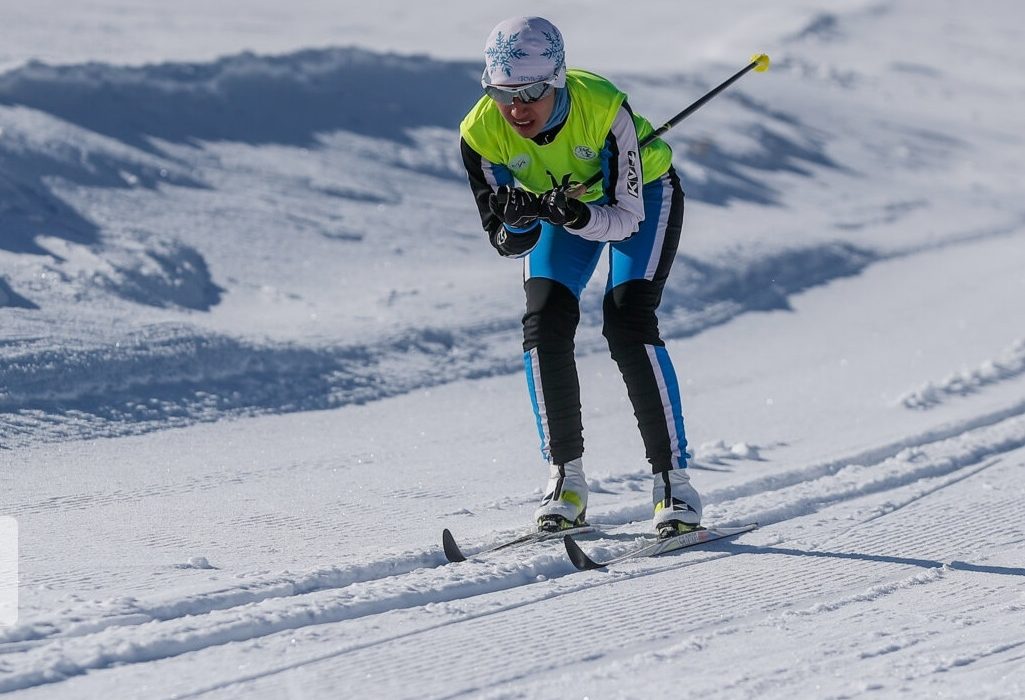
(515, 207)
(515, 245)
(559, 209)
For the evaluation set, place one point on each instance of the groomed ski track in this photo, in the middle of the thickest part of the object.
(833, 545)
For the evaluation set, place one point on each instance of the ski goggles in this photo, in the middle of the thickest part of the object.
(524, 93)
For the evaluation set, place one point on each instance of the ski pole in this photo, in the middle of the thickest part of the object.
(759, 63)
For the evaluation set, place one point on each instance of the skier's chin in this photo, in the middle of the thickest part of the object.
(527, 130)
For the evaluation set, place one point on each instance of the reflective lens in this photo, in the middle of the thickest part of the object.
(524, 93)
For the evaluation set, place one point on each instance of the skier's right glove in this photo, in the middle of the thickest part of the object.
(512, 244)
(518, 209)
(520, 230)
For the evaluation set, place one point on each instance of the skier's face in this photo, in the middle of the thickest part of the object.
(528, 118)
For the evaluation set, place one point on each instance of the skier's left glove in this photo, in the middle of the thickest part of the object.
(559, 209)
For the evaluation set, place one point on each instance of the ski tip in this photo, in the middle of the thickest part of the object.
(732, 531)
(448, 543)
(577, 555)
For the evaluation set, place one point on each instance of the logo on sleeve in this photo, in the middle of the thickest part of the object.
(633, 180)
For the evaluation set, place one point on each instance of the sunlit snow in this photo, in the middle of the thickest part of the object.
(256, 353)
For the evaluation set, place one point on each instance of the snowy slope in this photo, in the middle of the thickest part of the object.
(255, 354)
(185, 241)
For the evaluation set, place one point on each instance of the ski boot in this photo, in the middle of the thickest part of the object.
(677, 504)
(564, 505)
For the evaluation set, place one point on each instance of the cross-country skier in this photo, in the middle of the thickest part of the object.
(538, 130)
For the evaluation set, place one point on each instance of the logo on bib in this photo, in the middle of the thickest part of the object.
(519, 162)
(584, 153)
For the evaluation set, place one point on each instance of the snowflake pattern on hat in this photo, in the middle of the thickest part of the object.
(503, 52)
(522, 50)
(556, 50)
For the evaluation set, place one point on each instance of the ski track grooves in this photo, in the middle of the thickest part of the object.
(47, 651)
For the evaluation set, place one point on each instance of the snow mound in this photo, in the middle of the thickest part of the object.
(251, 98)
(39, 150)
(1009, 365)
(719, 452)
(163, 273)
(9, 298)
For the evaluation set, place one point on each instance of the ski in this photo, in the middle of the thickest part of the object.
(454, 554)
(653, 549)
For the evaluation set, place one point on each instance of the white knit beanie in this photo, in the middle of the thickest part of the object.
(523, 50)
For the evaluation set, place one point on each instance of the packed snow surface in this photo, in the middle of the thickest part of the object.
(256, 353)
